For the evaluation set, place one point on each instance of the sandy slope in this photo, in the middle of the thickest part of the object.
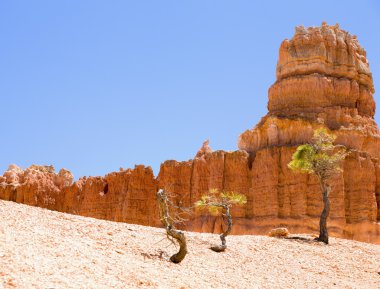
(46, 249)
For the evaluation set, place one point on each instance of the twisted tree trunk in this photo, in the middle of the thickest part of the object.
(181, 239)
(323, 233)
(171, 231)
(223, 236)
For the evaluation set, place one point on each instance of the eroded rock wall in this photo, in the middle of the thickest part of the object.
(276, 196)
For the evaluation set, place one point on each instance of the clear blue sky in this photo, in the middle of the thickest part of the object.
(95, 85)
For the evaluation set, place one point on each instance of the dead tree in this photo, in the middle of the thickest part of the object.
(168, 223)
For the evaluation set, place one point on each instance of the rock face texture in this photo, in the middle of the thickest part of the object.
(323, 79)
(205, 149)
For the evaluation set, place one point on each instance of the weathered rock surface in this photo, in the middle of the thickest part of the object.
(326, 50)
(37, 185)
(205, 149)
(279, 232)
(323, 78)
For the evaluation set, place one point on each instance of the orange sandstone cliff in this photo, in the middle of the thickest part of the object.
(323, 78)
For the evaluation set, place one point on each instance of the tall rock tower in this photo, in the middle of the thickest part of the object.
(322, 78)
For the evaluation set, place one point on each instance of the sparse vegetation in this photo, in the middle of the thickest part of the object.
(323, 159)
(169, 224)
(220, 203)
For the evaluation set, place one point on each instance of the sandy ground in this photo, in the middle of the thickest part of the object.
(46, 249)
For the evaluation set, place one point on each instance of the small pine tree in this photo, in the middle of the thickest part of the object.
(323, 159)
(220, 203)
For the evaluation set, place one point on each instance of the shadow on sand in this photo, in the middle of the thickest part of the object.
(303, 239)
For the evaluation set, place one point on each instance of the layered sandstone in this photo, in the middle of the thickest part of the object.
(323, 78)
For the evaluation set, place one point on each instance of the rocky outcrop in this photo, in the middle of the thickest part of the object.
(36, 185)
(323, 79)
(205, 149)
(326, 50)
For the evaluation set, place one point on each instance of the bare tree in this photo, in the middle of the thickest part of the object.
(323, 159)
(169, 224)
(221, 203)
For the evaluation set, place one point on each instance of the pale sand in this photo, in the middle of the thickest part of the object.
(45, 249)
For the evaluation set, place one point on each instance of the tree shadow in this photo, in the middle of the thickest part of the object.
(302, 239)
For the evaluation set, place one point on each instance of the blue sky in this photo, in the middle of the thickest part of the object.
(97, 85)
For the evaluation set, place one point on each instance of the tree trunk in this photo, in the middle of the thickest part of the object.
(223, 236)
(323, 233)
(171, 231)
(180, 237)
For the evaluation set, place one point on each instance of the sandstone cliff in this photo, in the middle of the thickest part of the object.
(323, 78)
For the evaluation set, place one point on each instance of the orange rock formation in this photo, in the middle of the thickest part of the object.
(323, 78)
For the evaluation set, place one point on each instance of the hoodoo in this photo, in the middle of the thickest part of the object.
(323, 79)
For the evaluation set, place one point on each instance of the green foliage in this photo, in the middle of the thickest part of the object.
(202, 203)
(215, 201)
(302, 159)
(214, 210)
(322, 157)
(234, 198)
